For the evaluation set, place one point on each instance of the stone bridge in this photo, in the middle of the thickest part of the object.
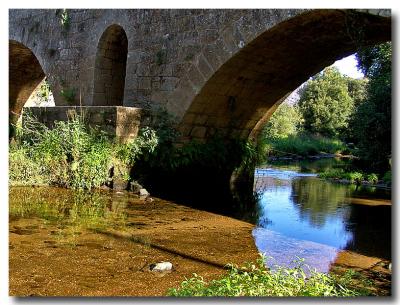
(214, 70)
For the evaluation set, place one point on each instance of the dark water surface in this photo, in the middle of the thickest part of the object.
(303, 216)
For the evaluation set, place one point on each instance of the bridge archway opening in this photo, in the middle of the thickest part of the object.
(244, 91)
(110, 67)
(25, 75)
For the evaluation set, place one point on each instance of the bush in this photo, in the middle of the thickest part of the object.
(354, 177)
(24, 170)
(257, 280)
(372, 178)
(333, 173)
(71, 154)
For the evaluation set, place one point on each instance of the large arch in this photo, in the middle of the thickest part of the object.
(110, 67)
(243, 92)
(25, 74)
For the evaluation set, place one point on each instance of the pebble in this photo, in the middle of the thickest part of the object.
(162, 266)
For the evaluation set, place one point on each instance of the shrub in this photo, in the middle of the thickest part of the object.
(257, 280)
(372, 178)
(71, 154)
(333, 173)
(23, 169)
(354, 177)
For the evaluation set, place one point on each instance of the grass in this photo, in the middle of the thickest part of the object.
(352, 176)
(304, 145)
(71, 154)
(256, 280)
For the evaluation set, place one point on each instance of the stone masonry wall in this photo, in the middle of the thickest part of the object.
(171, 55)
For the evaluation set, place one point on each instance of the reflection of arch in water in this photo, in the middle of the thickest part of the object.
(25, 74)
(110, 67)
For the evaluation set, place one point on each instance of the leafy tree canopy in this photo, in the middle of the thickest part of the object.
(326, 104)
(372, 120)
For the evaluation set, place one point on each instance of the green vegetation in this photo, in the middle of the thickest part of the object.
(371, 123)
(68, 94)
(257, 280)
(72, 212)
(70, 154)
(65, 19)
(326, 104)
(352, 176)
(340, 110)
(286, 121)
(304, 145)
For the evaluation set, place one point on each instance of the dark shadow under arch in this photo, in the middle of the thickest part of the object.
(25, 74)
(110, 67)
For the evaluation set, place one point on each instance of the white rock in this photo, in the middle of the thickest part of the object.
(162, 266)
(143, 192)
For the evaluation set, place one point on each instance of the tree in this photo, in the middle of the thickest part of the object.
(357, 89)
(285, 121)
(372, 120)
(326, 104)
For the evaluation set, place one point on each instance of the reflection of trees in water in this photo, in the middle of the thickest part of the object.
(316, 199)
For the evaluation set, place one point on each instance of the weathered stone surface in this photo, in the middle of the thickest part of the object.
(232, 65)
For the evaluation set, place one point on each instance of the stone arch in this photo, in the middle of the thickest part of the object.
(110, 67)
(242, 92)
(25, 74)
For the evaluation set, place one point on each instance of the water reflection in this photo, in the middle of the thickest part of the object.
(92, 210)
(301, 215)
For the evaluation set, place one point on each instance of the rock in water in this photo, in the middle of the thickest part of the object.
(143, 192)
(162, 266)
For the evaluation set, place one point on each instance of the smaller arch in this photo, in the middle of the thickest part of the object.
(25, 74)
(110, 67)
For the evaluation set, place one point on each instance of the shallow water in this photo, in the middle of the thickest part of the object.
(303, 216)
(66, 243)
(101, 243)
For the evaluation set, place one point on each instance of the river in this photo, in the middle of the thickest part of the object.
(328, 225)
(101, 243)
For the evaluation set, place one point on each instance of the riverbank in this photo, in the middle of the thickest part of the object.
(50, 258)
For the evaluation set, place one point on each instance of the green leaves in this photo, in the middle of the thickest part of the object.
(326, 104)
(285, 121)
(254, 279)
(71, 154)
(372, 120)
